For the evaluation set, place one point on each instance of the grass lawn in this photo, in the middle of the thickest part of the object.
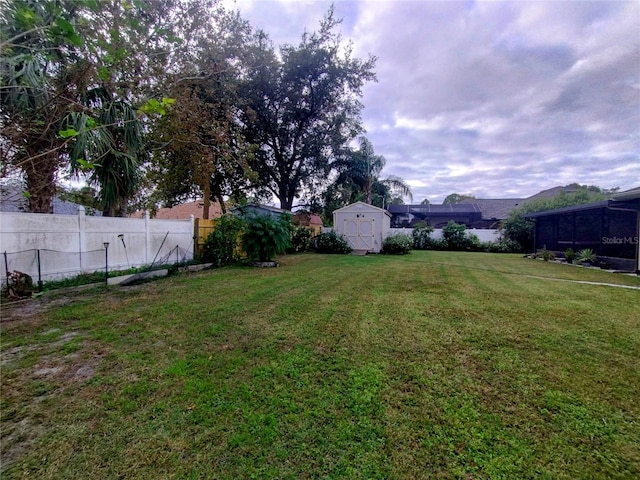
(430, 365)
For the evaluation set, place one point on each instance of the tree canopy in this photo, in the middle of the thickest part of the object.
(181, 98)
(302, 109)
(454, 198)
(358, 179)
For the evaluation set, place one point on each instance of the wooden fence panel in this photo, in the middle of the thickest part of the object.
(203, 227)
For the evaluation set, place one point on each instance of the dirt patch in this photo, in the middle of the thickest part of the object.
(17, 438)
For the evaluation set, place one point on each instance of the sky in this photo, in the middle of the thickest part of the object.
(493, 99)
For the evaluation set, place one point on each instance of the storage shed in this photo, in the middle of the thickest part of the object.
(363, 225)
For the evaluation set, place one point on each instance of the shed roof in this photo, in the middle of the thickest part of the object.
(361, 206)
(249, 207)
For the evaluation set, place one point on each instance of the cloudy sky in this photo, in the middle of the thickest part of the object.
(494, 99)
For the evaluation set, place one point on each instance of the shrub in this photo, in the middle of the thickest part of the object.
(221, 246)
(265, 236)
(331, 243)
(586, 255)
(398, 244)
(517, 229)
(547, 255)
(300, 240)
(422, 236)
(569, 255)
(504, 245)
(456, 237)
(473, 243)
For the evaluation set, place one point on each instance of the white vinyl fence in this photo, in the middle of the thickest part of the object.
(51, 247)
(484, 234)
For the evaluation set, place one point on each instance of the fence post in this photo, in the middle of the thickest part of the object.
(194, 235)
(39, 271)
(106, 263)
(147, 238)
(6, 267)
(81, 234)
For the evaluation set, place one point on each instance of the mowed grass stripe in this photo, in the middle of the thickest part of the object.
(430, 365)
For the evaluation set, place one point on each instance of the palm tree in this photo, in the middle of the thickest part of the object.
(358, 178)
(113, 148)
(38, 48)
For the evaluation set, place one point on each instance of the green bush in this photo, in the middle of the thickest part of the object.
(398, 244)
(300, 240)
(569, 255)
(504, 245)
(457, 238)
(266, 236)
(517, 229)
(331, 243)
(422, 236)
(547, 255)
(221, 246)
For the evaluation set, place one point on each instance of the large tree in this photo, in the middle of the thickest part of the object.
(302, 108)
(201, 150)
(39, 53)
(85, 67)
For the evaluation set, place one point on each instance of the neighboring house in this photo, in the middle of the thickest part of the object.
(310, 220)
(364, 226)
(476, 213)
(12, 200)
(407, 216)
(610, 228)
(184, 211)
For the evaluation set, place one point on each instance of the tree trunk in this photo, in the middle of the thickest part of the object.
(207, 200)
(41, 185)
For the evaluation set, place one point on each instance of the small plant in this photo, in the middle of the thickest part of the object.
(266, 236)
(398, 244)
(586, 256)
(569, 255)
(546, 255)
(331, 243)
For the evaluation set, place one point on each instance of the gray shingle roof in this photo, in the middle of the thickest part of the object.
(498, 208)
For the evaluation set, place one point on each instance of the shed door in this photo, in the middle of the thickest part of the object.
(359, 233)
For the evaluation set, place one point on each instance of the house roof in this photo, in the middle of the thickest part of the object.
(307, 218)
(499, 208)
(184, 211)
(633, 194)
